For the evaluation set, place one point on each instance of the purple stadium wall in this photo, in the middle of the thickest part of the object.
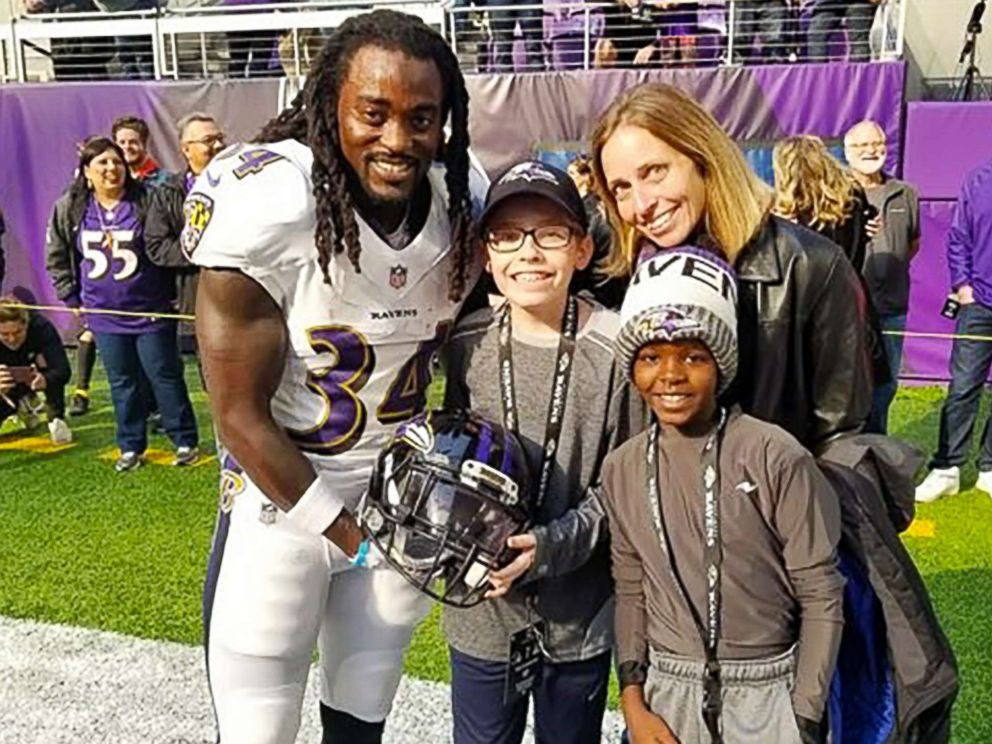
(515, 114)
(512, 116)
(943, 142)
(41, 124)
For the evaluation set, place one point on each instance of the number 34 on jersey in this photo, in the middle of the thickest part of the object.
(348, 395)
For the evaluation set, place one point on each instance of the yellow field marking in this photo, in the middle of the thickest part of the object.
(157, 456)
(35, 445)
(921, 528)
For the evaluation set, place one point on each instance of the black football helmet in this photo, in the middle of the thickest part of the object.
(447, 491)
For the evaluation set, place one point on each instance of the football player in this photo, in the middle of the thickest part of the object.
(336, 252)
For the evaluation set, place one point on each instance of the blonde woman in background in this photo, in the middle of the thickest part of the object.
(815, 190)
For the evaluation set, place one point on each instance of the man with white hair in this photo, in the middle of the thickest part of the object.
(894, 239)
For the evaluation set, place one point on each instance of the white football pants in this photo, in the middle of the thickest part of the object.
(277, 591)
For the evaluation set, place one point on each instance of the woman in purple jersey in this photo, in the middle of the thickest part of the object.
(96, 259)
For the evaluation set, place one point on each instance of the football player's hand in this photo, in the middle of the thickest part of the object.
(503, 579)
(368, 555)
(6, 379)
(346, 533)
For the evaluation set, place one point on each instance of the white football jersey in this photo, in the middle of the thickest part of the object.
(360, 347)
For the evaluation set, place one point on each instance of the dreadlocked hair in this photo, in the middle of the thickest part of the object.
(312, 119)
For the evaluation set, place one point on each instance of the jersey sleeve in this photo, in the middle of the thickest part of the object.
(251, 210)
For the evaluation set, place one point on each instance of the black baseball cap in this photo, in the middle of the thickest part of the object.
(534, 178)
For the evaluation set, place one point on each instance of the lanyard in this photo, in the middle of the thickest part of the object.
(559, 390)
(709, 632)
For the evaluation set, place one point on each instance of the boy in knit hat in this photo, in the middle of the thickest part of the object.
(724, 533)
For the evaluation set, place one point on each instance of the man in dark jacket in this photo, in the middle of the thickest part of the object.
(32, 360)
(200, 139)
(131, 135)
(894, 239)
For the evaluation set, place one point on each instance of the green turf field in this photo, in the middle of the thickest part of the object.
(83, 546)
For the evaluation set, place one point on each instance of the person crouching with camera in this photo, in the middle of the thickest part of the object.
(32, 361)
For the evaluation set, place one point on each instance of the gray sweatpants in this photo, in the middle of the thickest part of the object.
(757, 702)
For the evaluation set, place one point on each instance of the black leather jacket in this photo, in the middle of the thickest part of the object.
(804, 358)
(163, 227)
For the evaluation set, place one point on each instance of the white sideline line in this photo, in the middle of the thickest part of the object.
(65, 685)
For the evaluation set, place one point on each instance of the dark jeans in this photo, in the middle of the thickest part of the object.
(970, 362)
(157, 353)
(503, 22)
(54, 401)
(883, 395)
(569, 702)
(760, 30)
(827, 19)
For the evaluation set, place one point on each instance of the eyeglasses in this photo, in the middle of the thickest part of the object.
(214, 139)
(511, 239)
(866, 145)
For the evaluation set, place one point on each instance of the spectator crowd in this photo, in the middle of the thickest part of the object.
(114, 256)
(622, 33)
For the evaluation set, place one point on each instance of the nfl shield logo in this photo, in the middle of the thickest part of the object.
(397, 277)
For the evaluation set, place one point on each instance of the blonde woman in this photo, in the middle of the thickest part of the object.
(670, 176)
(815, 190)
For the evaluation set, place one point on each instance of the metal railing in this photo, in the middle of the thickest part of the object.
(278, 39)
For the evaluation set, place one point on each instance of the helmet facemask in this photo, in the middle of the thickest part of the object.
(444, 530)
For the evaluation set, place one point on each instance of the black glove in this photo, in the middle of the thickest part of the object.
(812, 732)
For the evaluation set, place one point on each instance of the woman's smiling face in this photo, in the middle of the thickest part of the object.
(657, 189)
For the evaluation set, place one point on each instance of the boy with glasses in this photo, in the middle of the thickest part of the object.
(541, 362)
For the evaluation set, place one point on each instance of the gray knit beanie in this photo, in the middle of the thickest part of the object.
(682, 293)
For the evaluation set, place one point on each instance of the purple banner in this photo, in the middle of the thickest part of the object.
(41, 124)
(512, 116)
(943, 142)
(515, 115)
(926, 358)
